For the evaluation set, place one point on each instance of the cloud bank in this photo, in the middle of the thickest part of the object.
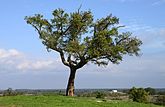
(14, 61)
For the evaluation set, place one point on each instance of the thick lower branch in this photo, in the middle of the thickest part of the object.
(63, 59)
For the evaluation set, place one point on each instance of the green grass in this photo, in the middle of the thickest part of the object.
(62, 101)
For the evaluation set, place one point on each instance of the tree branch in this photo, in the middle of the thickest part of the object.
(66, 30)
(63, 59)
(38, 30)
(117, 43)
(82, 62)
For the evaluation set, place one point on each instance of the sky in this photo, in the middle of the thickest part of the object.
(25, 63)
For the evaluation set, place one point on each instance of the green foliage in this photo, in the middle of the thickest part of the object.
(79, 39)
(150, 90)
(99, 94)
(138, 95)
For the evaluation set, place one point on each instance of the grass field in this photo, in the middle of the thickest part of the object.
(62, 101)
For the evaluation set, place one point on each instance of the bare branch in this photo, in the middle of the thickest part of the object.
(79, 8)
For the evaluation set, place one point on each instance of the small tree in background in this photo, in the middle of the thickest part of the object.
(79, 39)
(9, 92)
(138, 95)
(150, 90)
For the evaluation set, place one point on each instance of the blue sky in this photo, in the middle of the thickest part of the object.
(25, 63)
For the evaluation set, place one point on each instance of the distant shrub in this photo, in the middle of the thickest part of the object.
(99, 94)
(138, 95)
(11, 92)
(150, 90)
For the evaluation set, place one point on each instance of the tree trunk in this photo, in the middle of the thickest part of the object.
(70, 86)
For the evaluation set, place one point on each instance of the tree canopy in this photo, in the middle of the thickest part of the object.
(80, 39)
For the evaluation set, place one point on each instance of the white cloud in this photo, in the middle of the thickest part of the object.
(13, 61)
(158, 2)
(135, 24)
(9, 53)
(162, 33)
(153, 38)
(138, 27)
(38, 65)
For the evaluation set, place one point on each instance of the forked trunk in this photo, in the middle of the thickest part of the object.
(70, 86)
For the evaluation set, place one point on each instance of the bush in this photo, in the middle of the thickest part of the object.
(100, 95)
(150, 90)
(160, 100)
(138, 95)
